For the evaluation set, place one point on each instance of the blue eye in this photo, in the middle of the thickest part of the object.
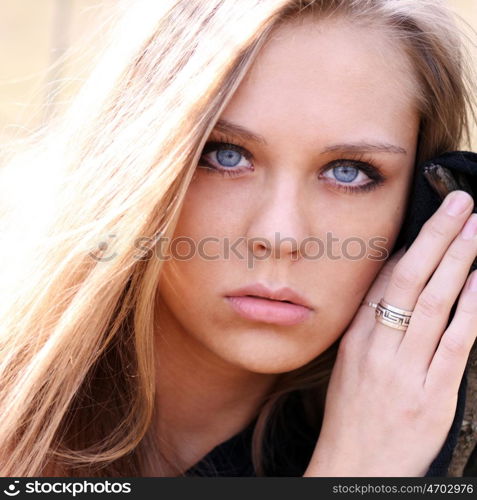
(345, 173)
(342, 173)
(225, 158)
(228, 157)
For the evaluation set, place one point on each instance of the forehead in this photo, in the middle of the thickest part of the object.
(329, 74)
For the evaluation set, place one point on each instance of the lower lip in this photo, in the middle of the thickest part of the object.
(269, 311)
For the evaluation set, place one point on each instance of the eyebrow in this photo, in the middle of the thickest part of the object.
(229, 128)
(365, 147)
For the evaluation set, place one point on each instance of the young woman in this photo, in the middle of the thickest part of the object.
(224, 193)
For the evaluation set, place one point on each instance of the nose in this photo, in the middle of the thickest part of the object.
(279, 222)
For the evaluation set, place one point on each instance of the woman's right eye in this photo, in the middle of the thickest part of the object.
(225, 158)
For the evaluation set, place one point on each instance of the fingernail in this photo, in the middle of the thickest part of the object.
(470, 228)
(456, 203)
(473, 282)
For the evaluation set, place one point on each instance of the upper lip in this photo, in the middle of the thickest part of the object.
(260, 290)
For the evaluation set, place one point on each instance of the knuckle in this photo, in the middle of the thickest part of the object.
(452, 346)
(468, 306)
(430, 304)
(404, 277)
(435, 229)
(456, 254)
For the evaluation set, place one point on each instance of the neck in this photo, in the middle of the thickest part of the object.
(201, 400)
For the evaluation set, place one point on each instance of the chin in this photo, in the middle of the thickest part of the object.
(268, 356)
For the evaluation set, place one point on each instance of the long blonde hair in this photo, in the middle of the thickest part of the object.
(76, 339)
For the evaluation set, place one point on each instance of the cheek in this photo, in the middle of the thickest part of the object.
(364, 245)
(212, 223)
(197, 265)
(212, 211)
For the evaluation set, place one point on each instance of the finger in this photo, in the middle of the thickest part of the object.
(364, 320)
(412, 272)
(434, 304)
(448, 363)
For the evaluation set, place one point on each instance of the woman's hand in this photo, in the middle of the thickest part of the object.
(392, 394)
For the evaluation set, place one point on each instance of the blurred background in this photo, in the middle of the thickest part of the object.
(46, 49)
(36, 78)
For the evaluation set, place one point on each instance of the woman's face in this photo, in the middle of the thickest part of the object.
(317, 145)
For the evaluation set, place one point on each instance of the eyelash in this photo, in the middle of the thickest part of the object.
(361, 161)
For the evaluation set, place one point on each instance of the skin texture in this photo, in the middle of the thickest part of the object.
(315, 84)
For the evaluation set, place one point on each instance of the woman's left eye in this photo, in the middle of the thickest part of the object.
(346, 172)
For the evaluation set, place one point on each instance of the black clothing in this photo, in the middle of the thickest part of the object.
(232, 458)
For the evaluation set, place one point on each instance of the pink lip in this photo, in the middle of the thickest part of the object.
(266, 305)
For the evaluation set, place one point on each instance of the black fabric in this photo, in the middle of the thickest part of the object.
(233, 457)
(424, 201)
(290, 455)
